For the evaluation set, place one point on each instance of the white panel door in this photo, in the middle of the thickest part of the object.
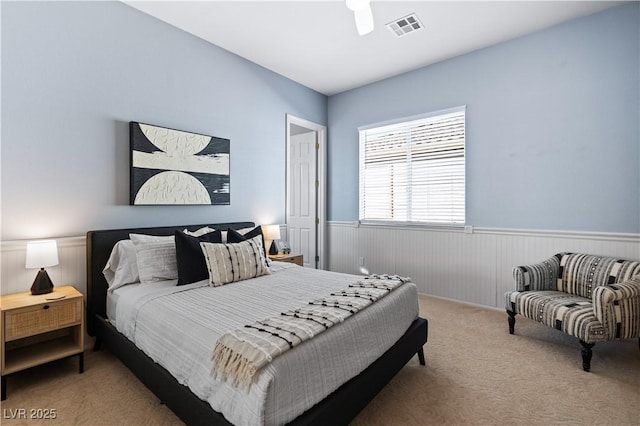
(301, 205)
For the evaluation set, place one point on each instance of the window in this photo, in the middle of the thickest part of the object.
(413, 170)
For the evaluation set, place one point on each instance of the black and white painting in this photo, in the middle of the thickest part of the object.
(171, 167)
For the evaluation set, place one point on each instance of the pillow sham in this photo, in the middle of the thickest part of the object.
(122, 267)
(143, 238)
(189, 256)
(156, 260)
(232, 262)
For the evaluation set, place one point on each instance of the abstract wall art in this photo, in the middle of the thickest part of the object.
(173, 167)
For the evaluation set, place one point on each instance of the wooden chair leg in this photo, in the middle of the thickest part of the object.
(512, 321)
(586, 355)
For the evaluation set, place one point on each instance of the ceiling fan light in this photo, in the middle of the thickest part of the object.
(364, 20)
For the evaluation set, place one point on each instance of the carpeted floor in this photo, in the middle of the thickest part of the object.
(476, 374)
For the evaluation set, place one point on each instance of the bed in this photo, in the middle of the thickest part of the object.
(338, 407)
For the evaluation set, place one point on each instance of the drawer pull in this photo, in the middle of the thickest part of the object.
(45, 307)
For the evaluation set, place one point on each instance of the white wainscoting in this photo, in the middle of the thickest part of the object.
(72, 268)
(450, 263)
(474, 268)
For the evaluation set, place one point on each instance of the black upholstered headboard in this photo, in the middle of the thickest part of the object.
(99, 246)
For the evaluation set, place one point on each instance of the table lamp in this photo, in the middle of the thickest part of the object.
(41, 254)
(271, 233)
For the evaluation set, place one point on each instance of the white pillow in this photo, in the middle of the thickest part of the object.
(156, 261)
(122, 267)
(200, 232)
(232, 262)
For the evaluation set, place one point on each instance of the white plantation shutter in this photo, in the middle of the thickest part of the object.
(413, 171)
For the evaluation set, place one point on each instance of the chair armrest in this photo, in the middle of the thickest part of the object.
(539, 276)
(617, 306)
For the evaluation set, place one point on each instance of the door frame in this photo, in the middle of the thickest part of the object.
(321, 189)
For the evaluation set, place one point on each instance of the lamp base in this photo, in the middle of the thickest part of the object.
(273, 249)
(42, 284)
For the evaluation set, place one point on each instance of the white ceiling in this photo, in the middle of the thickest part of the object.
(316, 44)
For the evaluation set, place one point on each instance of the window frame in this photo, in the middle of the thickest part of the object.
(361, 160)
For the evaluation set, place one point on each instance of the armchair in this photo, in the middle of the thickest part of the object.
(593, 298)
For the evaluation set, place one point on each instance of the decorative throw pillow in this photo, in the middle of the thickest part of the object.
(232, 262)
(156, 260)
(190, 260)
(241, 231)
(122, 267)
(236, 236)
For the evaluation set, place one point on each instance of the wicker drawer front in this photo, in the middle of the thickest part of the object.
(42, 318)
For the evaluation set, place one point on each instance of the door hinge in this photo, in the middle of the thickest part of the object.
(317, 221)
(317, 184)
(317, 146)
(317, 258)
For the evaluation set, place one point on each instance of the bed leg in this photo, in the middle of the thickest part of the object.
(97, 344)
(421, 356)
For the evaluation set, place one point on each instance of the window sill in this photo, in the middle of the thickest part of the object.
(411, 225)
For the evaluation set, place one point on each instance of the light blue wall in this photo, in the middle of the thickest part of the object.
(75, 73)
(552, 134)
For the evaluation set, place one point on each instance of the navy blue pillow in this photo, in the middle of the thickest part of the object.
(192, 266)
(234, 236)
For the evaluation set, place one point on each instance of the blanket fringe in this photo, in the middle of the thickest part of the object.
(229, 364)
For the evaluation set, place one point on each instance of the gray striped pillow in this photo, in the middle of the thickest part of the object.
(232, 262)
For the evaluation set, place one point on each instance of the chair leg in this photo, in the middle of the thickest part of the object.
(586, 355)
(421, 356)
(512, 321)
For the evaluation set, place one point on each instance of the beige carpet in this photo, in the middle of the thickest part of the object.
(476, 374)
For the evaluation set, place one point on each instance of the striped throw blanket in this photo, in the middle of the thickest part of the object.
(239, 354)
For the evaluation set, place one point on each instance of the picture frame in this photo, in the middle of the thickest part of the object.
(174, 167)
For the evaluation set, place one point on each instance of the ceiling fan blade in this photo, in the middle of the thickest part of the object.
(364, 20)
(363, 14)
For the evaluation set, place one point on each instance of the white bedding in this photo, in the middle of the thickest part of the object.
(179, 326)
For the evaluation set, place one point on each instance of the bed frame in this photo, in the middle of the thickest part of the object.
(338, 408)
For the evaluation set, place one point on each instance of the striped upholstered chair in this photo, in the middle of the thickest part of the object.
(593, 298)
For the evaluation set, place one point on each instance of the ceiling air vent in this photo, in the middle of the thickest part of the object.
(405, 25)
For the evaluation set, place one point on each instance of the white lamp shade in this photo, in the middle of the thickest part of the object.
(271, 232)
(41, 254)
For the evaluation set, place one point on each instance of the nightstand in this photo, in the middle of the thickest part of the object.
(35, 330)
(291, 258)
